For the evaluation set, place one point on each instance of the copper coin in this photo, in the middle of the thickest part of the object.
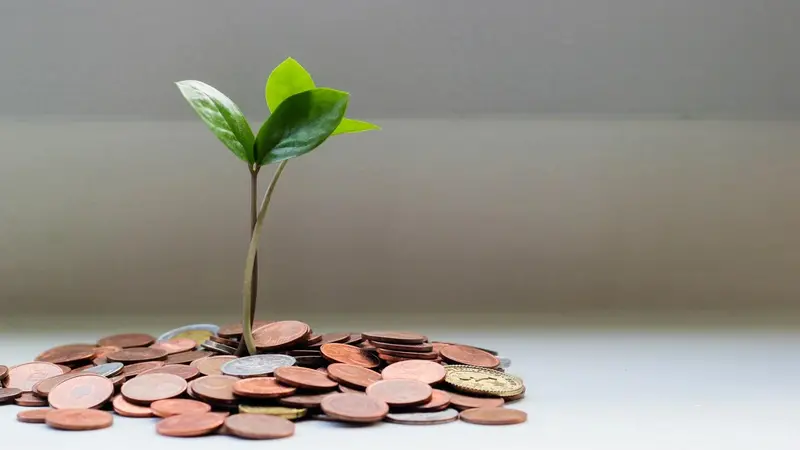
(28, 399)
(279, 335)
(392, 359)
(79, 419)
(82, 368)
(401, 393)
(262, 387)
(314, 339)
(259, 426)
(42, 388)
(425, 371)
(135, 369)
(53, 353)
(354, 408)
(210, 365)
(181, 370)
(322, 369)
(353, 376)
(147, 388)
(9, 394)
(461, 354)
(348, 354)
(224, 341)
(416, 348)
(217, 388)
(64, 368)
(494, 416)
(355, 339)
(189, 425)
(395, 337)
(101, 352)
(84, 391)
(304, 401)
(349, 390)
(187, 357)
(335, 338)
(174, 406)
(24, 376)
(439, 401)
(128, 409)
(118, 381)
(302, 377)
(409, 355)
(175, 345)
(67, 355)
(462, 402)
(514, 398)
(234, 330)
(138, 354)
(3, 372)
(127, 340)
(33, 415)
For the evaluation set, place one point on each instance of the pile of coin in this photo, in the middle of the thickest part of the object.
(190, 378)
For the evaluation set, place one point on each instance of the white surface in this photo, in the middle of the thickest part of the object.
(605, 389)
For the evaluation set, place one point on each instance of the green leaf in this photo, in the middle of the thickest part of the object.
(354, 126)
(287, 79)
(222, 116)
(300, 124)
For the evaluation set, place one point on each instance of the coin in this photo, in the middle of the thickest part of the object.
(514, 398)
(218, 388)
(9, 394)
(147, 388)
(42, 388)
(262, 387)
(118, 381)
(349, 390)
(101, 352)
(174, 406)
(78, 419)
(423, 418)
(128, 409)
(462, 402)
(3, 372)
(28, 399)
(64, 368)
(416, 348)
(24, 376)
(175, 345)
(84, 391)
(279, 411)
(67, 354)
(357, 408)
(256, 365)
(439, 401)
(135, 369)
(461, 354)
(181, 370)
(189, 425)
(483, 381)
(278, 335)
(505, 363)
(425, 371)
(217, 347)
(353, 376)
(198, 332)
(52, 353)
(187, 357)
(33, 415)
(395, 337)
(348, 354)
(259, 426)
(138, 354)
(303, 401)
(223, 341)
(304, 378)
(494, 416)
(211, 365)
(127, 340)
(333, 338)
(400, 393)
(410, 355)
(106, 370)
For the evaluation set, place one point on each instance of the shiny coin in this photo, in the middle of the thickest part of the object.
(483, 381)
(462, 402)
(395, 337)
(175, 406)
(216, 388)
(138, 354)
(147, 388)
(24, 376)
(280, 411)
(494, 416)
(84, 391)
(189, 425)
(78, 419)
(42, 389)
(256, 365)
(181, 370)
(211, 365)
(217, 347)
(127, 340)
(353, 376)
(304, 378)
(262, 387)
(135, 369)
(175, 345)
(106, 370)
(279, 335)
(28, 399)
(400, 393)
(9, 394)
(101, 352)
(33, 415)
(357, 408)
(425, 371)
(439, 401)
(461, 354)
(303, 401)
(187, 357)
(198, 332)
(423, 418)
(128, 409)
(258, 426)
(348, 354)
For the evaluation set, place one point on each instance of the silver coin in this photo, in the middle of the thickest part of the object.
(424, 418)
(217, 347)
(505, 363)
(198, 326)
(106, 370)
(256, 365)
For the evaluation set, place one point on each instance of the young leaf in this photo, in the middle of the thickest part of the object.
(300, 124)
(354, 126)
(287, 79)
(222, 116)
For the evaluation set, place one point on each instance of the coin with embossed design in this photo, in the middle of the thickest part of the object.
(481, 380)
(256, 365)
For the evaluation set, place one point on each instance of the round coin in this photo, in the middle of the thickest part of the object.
(211, 365)
(400, 393)
(423, 418)
(217, 388)
(334, 338)
(28, 399)
(304, 401)
(78, 419)
(218, 348)
(175, 345)
(84, 391)
(461, 354)
(223, 341)
(494, 416)
(439, 401)
(3, 372)
(353, 376)
(24, 376)
(181, 370)
(101, 352)
(357, 408)
(481, 380)
(197, 331)
(305, 378)
(50, 353)
(234, 330)
(67, 354)
(174, 406)
(43, 388)
(349, 390)
(414, 348)
(262, 387)
(259, 426)
(128, 409)
(395, 337)
(135, 369)
(187, 357)
(147, 388)
(424, 371)
(33, 415)
(189, 425)
(256, 365)
(105, 370)
(127, 340)
(138, 354)
(64, 368)
(9, 394)
(462, 402)
(409, 355)
(348, 354)
(279, 411)
(279, 335)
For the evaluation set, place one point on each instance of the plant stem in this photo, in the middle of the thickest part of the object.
(248, 296)
(242, 349)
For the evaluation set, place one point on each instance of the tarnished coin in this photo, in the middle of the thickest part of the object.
(262, 387)
(256, 365)
(189, 425)
(84, 391)
(181, 370)
(357, 408)
(9, 394)
(462, 402)
(106, 370)
(211, 365)
(68, 354)
(24, 376)
(78, 419)
(175, 345)
(411, 348)
(147, 388)
(494, 416)
(175, 406)
(198, 332)
(28, 399)
(483, 381)
(138, 354)
(128, 409)
(302, 401)
(217, 347)
(135, 369)
(439, 401)
(423, 418)
(409, 355)
(127, 340)
(425, 371)
(101, 352)
(217, 388)
(395, 337)
(187, 357)
(461, 354)
(42, 389)
(348, 354)
(279, 335)
(33, 415)
(279, 411)
(259, 426)
(400, 393)
(353, 376)
(304, 378)
(234, 330)
(3, 372)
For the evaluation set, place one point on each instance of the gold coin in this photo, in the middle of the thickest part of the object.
(198, 336)
(480, 380)
(280, 411)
